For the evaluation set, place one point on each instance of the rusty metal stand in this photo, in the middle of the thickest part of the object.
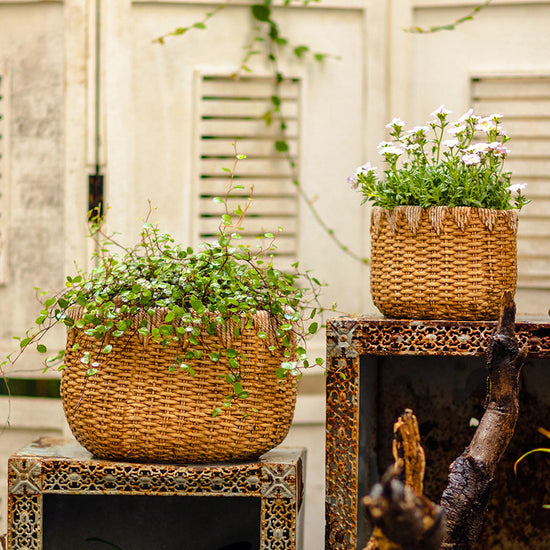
(46, 475)
(354, 395)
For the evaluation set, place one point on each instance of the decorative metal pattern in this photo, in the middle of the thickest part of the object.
(350, 338)
(53, 466)
(25, 513)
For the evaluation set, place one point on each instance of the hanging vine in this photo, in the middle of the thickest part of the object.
(268, 41)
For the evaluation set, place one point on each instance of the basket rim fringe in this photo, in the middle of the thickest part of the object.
(462, 216)
(262, 321)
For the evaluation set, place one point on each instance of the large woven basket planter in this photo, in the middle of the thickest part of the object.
(135, 409)
(442, 263)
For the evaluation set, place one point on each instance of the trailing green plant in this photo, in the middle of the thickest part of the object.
(424, 169)
(220, 285)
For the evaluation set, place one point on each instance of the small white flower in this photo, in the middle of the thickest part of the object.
(515, 187)
(365, 170)
(391, 150)
(486, 124)
(478, 148)
(466, 116)
(456, 129)
(441, 111)
(383, 144)
(396, 122)
(450, 142)
(413, 147)
(417, 130)
(498, 149)
(470, 158)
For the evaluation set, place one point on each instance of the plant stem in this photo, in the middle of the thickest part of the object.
(451, 26)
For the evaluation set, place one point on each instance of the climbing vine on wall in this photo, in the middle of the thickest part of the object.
(268, 41)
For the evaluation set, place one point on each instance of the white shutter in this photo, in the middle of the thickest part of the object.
(231, 110)
(4, 172)
(524, 102)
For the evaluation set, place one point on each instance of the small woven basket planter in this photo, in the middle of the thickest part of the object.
(442, 263)
(135, 409)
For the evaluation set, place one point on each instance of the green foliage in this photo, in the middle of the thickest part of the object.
(423, 169)
(220, 284)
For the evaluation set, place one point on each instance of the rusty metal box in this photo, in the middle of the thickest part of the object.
(377, 367)
(61, 498)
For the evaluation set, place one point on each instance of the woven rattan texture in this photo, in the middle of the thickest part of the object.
(134, 408)
(442, 263)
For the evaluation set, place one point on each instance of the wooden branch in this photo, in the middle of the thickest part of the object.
(407, 452)
(403, 519)
(408, 521)
(471, 475)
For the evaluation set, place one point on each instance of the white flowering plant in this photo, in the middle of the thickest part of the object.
(443, 163)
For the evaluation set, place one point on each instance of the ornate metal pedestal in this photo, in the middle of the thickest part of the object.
(377, 367)
(60, 497)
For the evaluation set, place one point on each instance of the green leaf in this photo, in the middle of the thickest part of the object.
(199, 25)
(91, 372)
(230, 352)
(261, 12)
(299, 51)
(197, 305)
(25, 342)
(41, 348)
(313, 327)
(281, 146)
(107, 349)
(281, 373)
(216, 411)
